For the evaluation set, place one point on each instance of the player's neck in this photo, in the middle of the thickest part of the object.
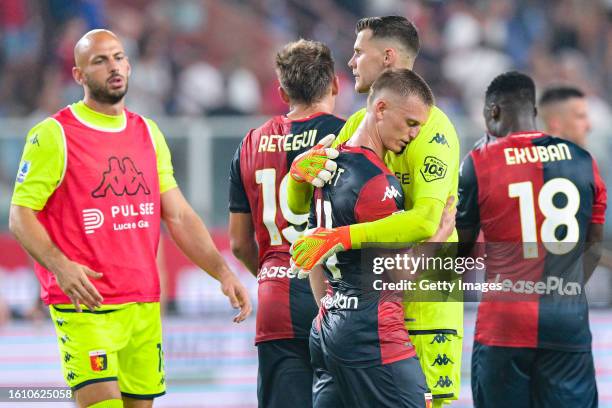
(520, 125)
(302, 111)
(105, 108)
(368, 136)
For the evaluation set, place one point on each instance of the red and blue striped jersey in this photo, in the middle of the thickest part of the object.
(258, 185)
(534, 197)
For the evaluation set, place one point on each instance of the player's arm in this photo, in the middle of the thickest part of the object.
(311, 168)
(318, 284)
(241, 228)
(192, 237)
(39, 173)
(593, 249)
(314, 167)
(418, 224)
(242, 240)
(190, 233)
(468, 214)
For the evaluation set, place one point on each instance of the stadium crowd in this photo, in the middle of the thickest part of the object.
(188, 62)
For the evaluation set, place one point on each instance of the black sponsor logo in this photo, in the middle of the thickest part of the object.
(67, 357)
(71, 376)
(65, 339)
(440, 360)
(433, 169)
(122, 177)
(443, 382)
(440, 338)
(439, 139)
(404, 178)
(60, 322)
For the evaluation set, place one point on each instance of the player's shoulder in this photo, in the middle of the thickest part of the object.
(576, 150)
(324, 123)
(47, 130)
(357, 116)
(438, 121)
(362, 161)
(438, 130)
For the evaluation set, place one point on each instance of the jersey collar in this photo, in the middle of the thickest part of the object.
(96, 120)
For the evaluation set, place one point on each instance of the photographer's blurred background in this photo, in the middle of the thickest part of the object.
(203, 69)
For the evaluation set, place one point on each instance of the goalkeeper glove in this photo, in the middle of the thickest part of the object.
(314, 166)
(314, 249)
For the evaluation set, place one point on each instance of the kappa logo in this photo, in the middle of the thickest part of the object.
(67, 357)
(92, 220)
(122, 177)
(443, 382)
(440, 338)
(34, 140)
(442, 360)
(439, 139)
(391, 192)
(71, 376)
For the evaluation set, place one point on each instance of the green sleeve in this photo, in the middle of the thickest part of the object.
(418, 224)
(165, 170)
(433, 159)
(349, 127)
(42, 165)
(433, 162)
(299, 196)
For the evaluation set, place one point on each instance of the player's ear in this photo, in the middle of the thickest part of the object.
(335, 85)
(389, 58)
(380, 106)
(495, 111)
(77, 75)
(284, 95)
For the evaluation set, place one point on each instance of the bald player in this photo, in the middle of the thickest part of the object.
(564, 111)
(94, 182)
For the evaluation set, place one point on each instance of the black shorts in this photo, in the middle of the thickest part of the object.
(284, 378)
(532, 378)
(396, 385)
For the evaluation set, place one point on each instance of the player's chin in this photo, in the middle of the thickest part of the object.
(360, 87)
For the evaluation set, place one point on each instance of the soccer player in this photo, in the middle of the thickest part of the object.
(94, 182)
(540, 202)
(262, 227)
(360, 347)
(565, 114)
(428, 172)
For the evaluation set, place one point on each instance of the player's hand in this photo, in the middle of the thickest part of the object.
(238, 296)
(447, 222)
(314, 249)
(73, 280)
(314, 166)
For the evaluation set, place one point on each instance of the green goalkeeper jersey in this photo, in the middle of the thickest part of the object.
(427, 169)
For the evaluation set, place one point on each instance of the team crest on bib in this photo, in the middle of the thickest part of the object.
(433, 169)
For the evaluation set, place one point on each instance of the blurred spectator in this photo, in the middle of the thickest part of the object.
(195, 57)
